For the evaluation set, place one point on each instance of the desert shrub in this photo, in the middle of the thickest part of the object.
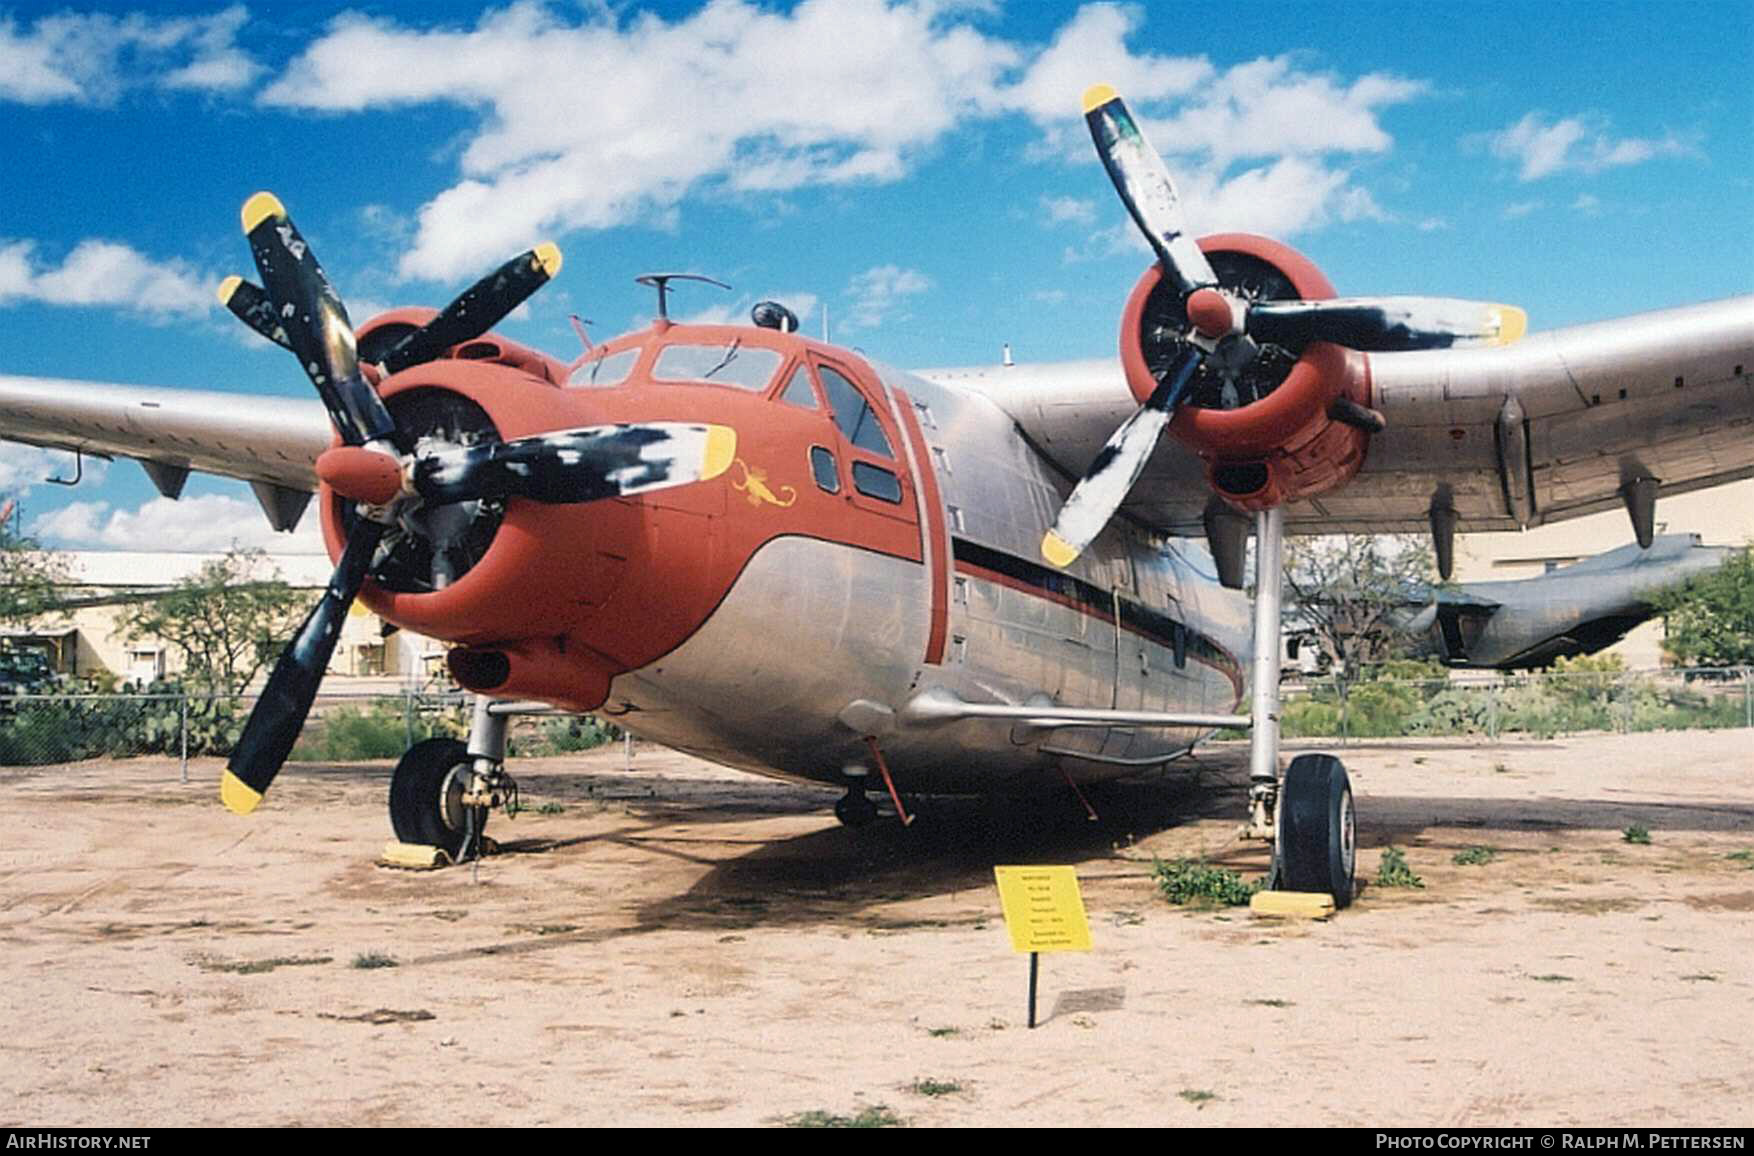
(1394, 870)
(34, 732)
(1196, 881)
(1452, 711)
(563, 735)
(379, 730)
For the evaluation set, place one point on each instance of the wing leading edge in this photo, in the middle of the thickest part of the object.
(270, 442)
(1553, 427)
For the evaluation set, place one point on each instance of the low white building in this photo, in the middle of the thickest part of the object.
(88, 642)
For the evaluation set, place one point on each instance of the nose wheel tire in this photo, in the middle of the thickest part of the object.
(854, 809)
(1318, 828)
(426, 798)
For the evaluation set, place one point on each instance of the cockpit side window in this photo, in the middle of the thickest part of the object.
(853, 414)
(602, 372)
(798, 391)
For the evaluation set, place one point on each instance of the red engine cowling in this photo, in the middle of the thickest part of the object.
(1267, 438)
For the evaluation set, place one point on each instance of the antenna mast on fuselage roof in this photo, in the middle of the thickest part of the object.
(661, 282)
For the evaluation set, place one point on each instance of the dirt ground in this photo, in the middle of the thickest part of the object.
(683, 945)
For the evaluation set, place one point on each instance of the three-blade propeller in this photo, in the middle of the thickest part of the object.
(1225, 325)
(389, 471)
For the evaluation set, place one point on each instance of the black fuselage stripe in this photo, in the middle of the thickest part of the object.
(1093, 600)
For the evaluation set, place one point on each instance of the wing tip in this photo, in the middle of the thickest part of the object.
(1098, 95)
(228, 287)
(238, 796)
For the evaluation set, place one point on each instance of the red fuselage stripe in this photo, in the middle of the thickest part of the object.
(938, 557)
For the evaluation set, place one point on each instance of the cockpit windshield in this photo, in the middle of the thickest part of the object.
(605, 371)
(727, 363)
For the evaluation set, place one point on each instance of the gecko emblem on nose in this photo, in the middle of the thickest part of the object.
(754, 486)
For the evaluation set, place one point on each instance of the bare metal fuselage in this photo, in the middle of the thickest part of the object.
(811, 626)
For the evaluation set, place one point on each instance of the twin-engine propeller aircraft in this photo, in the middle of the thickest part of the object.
(1525, 623)
(778, 555)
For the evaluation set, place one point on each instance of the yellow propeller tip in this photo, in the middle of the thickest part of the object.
(238, 796)
(1098, 95)
(227, 287)
(1512, 324)
(1059, 552)
(261, 207)
(548, 256)
(721, 449)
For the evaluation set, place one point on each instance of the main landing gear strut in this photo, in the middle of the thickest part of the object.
(1309, 815)
(442, 789)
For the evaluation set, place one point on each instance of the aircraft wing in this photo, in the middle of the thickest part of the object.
(1549, 428)
(270, 442)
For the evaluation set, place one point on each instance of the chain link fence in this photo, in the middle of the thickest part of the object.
(1536, 705)
(40, 730)
(50, 729)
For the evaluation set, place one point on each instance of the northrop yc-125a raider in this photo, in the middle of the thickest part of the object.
(780, 555)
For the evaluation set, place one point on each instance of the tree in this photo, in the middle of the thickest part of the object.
(31, 578)
(1347, 589)
(1709, 620)
(229, 619)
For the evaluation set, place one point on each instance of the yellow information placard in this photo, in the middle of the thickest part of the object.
(1044, 910)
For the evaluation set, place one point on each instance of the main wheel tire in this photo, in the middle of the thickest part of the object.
(426, 797)
(1318, 836)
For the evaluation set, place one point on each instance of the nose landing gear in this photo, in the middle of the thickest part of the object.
(442, 789)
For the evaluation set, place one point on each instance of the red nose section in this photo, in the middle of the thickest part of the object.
(361, 474)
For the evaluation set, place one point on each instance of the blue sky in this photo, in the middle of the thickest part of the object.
(919, 170)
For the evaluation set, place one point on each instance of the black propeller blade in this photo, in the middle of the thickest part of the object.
(249, 304)
(315, 322)
(579, 465)
(1387, 324)
(296, 307)
(280, 712)
(478, 308)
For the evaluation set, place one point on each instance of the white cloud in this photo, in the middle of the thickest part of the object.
(92, 58)
(1583, 144)
(1069, 210)
(22, 467)
(1093, 45)
(104, 273)
(205, 522)
(737, 312)
(630, 117)
(1268, 108)
(1588, 204)
(598, 120)
(879, 294)
(1517, 209)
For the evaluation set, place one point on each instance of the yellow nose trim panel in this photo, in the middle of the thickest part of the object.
(721, 451)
